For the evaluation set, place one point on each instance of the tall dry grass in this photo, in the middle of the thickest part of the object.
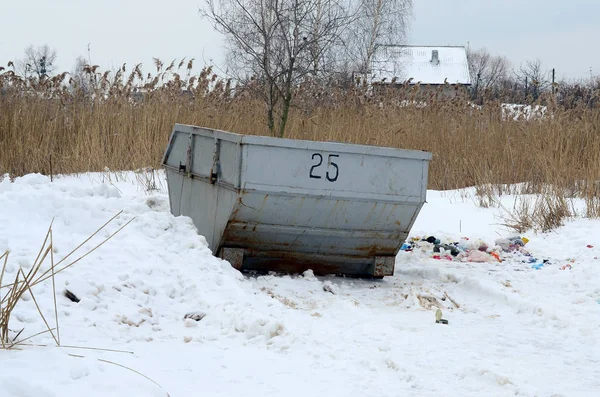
(11, 293)
(66, 125)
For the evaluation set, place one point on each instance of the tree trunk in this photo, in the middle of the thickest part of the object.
(271, 120)
(271, 110)
(284, 114)
(287, 100)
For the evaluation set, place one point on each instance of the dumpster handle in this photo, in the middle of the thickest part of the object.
(214, 171)
(190, 152)
(187, 167)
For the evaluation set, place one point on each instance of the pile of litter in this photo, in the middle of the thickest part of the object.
(476, 250)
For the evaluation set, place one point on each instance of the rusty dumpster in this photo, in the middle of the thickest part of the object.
(283, 205)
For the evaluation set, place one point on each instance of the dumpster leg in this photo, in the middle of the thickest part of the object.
(235, 256)
(384, 266)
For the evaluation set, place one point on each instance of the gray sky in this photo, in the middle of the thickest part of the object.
(561, 33)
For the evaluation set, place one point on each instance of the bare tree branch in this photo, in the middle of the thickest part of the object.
(37, 62)
(378, 22)
(534, 78)
(487, 71)
(274, 44)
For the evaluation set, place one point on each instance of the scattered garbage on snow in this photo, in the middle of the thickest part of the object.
(475, 250)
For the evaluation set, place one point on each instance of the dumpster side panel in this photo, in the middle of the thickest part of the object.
(320, 225)
(226, 200)
(199, 202)
(339, 174)
(191, 192)
(325, 212)
(323, 241)
(209, 206)
(230, 157)
(211, 155)
(177, 151)
(174, 185)
(202, 155)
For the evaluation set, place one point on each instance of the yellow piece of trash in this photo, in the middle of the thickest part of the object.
(525, 240)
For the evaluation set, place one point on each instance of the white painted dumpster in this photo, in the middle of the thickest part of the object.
(271, 204)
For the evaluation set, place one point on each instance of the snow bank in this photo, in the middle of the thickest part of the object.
(192, 324)
(140, 284)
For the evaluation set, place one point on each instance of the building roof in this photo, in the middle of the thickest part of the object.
(422, 64)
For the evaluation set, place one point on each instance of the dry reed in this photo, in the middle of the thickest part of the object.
(24, 283)
(123, 123)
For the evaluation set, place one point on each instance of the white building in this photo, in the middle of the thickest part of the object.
(428, 66)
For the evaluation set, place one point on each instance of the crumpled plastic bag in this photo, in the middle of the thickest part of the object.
(477, 256)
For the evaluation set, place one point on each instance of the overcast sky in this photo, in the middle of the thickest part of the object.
(563, 34)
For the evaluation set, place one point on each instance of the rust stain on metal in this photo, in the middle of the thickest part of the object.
(298, 208)
(373, 250)
(237, 208)
(385, 205)
(264, 201)
(253, 239)
(392, 211)
(370, 214)
(240, 205)
(334, 208)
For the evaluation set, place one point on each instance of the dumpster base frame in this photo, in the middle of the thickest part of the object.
(384, 266)
(235, 256)
(249, 260)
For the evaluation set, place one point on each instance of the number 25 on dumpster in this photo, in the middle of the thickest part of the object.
(332, 172)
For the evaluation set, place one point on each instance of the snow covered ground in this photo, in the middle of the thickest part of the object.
(513, 330)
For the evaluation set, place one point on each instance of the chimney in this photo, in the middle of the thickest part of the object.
(435, 58)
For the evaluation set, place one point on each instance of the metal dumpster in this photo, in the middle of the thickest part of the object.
(271, 204)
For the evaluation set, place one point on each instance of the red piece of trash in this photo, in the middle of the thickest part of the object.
(590, 246)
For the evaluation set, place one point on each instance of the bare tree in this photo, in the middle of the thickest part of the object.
(378, 22)
(274, 44)
(534, 78)
(37, 62)
(487, 71)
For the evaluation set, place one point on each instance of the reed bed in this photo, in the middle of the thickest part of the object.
(121, 121)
